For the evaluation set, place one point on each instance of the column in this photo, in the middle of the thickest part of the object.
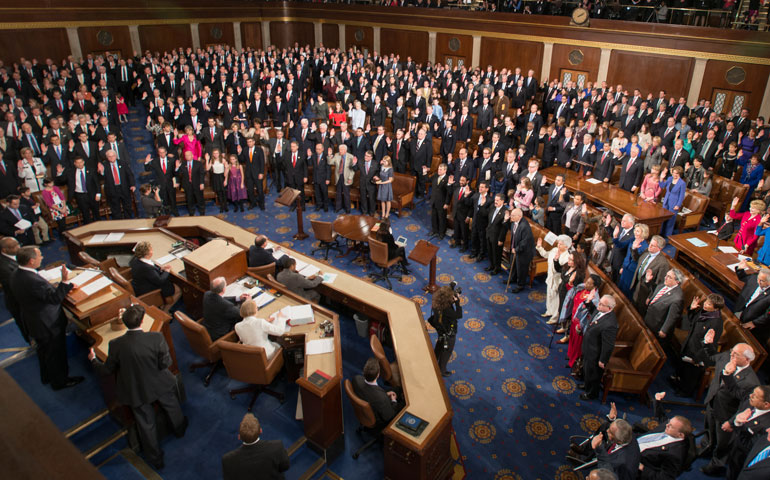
(318, 33)
(342, 37)
(72, 36)
(764, 108)
(432, 47)
(545, 68)
(476, 55)
(136, 44)
(237, 35)
(604, 65)
(376, 43)
(265, 34)
(196, 38)
(697, 81)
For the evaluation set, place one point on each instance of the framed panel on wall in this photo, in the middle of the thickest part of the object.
(729, 102)
(578, 76)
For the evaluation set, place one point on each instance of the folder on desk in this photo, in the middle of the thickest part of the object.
(301, 315)
(411, 424)
(697, 242)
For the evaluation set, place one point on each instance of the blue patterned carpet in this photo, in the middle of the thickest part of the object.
(515, 404)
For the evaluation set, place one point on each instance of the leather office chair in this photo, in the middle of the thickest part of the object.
(326, 237)
(89, 260)
(389, 371)
(365, 416)
(200, 341)
(378, 252)
(249, 364)
(264, 270)
(153, 297)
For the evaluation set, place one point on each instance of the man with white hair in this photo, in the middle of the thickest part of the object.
(220, 313)
(754, 301)
(734, 379)
(598, 342)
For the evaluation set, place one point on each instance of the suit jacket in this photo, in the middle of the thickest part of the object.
(254, 164)
(140, 361)
(664, 314)
(523, 241)
(164, 180)
(624, 462)
(755, 310)
(577, 222)
(7, 267)
(146, 278)
(300, 285)
(698, 322)
(639, 285)
(298, 170)
(40, 304)
(604, 165)
(421, 157)
(746, 435)
(439, 193)
(631, 177)
(365, 179)
(260, 256)
(496, 227)
(198, 176)
(726, 392)
(266, 459)
(384, 409)
(322, 170)
(480, 213)
(8, 224)
(210, 144)
(92, 184)
(9, 183)
(220, 314)
(759, 471)
(599, 338)
(343, 166)
(665, 462)
(126, 179)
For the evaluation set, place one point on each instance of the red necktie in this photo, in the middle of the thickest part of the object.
(212, 134)
(189, 171)
(662, 292)
(460, 195)
(294, 160)
(115, 175)
(2, 167)
(163, 165)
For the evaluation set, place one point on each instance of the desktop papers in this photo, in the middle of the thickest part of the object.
(594, 181)
(697, 242)
(52, 275)
(165, 259)
(728, 249)
(83, 277)
(100, 238)
(318, 347)
(97, 285)
(22, 224)
(114, 237)
(550, 238)
(309, 270)
(301, 314)
(329, 277)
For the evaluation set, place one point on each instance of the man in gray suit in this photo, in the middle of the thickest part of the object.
(140, 361)
(344, 171)
(664, 304)
(296, 282)
(650, 260)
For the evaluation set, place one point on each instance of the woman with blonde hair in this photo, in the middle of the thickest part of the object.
(559, 254)
(189, 141)
(255, 331)
(385, 185)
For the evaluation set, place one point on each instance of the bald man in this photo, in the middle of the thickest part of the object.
(259, 255)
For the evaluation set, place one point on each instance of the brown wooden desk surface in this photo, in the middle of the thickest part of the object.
(424, 389)
(706, 260)
(423, 252)
(354, 227)
(612, 197)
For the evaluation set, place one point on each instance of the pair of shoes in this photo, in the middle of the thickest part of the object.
(517, 289)
(587, 397)
(561, 330)
(544, 315)
(480, 258)
(446, 374)
(563, 339)
(551, 321)
(713, 470)
(179, 433)
(69, 382)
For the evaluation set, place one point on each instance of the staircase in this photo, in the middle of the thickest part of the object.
(740, 17)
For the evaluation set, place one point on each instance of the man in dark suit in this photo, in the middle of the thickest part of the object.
(83, 187)
(754, 300)
(465, 126)
(421, 154)
(191, 175)
(619, 451)
(649, 260)
(481, 201)
(598, 342)
(398, 149)
(9, 247)
(679, 157)
(748, 427)
(554, 205)
(734, 379)
(322, 173)
(163, 168)
(665, 450)
(296, 170)
(279, 153)
(369, 168)
(267, 458)
(259, 255)
(757, 464)
(13, 213)
(631, 170)
(385, 405)
(85, 149)
(448, 140)
(379, 143)
(622, 238)
(523, 249)
(212, 137)
(706, 148)
(9, 178)
(118, 186)
(220, 313)
(140, 360)
(40, 304)
(146, 276)
(496, 232)
(439, 202)
(664, 305)
(252, 158)
(604, 164)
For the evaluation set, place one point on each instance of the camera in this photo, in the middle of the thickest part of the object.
(455, 288)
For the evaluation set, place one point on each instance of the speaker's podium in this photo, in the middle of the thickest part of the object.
(217, 258)
(287, 197)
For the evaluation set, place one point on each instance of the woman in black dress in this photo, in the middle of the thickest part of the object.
(386, 236)
(445, 312)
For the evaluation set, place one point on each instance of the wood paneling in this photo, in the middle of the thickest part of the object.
(367, 37)
(208, 33)
(465, 49)
(754, 84)
(560, 59)
(15, 44)
(510, 54)
(650, 73)
(285, 34)
(330, 35)
(405, 43)
(161, 38)
(251, 34)
(121, 40)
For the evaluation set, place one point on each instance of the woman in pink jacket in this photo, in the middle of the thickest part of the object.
(190, 142)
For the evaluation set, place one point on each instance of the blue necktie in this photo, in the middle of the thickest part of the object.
(83, 181)
(755, 295)
(760, 456)
(652, 437)
(33, 142)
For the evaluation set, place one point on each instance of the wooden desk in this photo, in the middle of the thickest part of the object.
(217, 258)
(355, 229)
(612, 197)
(406, 457)
(706, 261)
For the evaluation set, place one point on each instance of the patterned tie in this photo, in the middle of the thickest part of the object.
(662, 292)
(760, 456)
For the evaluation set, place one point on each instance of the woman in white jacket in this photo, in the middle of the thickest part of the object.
(31, 170)
(558, 254)
(254, 331)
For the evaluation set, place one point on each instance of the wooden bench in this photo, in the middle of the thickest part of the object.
(723, 191)
(632, 368)
(697, 205)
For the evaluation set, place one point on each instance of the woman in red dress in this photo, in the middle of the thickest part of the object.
(588, 292)
(746, 239)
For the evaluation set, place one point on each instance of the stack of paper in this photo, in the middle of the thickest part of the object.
(300, 264)
(114, 237)
(550, 238)
(594, 181)
(263, 299)
(23, 224)
(165, 259)
(97, 285)
(100, 238)
(697, 242)
(301, 314)
(727, 249)
(309, 270)
(52, 275)
(329, 277)
(320, 346)
(83, 277)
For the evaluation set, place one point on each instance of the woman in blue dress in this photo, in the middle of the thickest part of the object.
(763, 256)
(385, 189)
(675, 189)
(638, 247)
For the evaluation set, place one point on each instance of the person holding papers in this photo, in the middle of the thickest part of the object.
(296, 282)
(254, 331)
(16, 221)
(220, 313)
(146, 276)
(40, 304)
